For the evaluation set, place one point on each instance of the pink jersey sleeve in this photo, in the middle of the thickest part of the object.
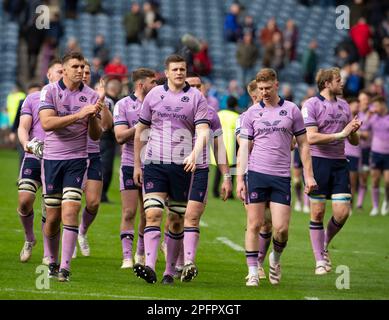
(201, 115)
(119, 115)
(308, 111)
(26, 107)
(47, 99)
(246, 129)
(298, 122)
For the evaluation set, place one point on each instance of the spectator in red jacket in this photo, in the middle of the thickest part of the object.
(202, 64)
(116, 68)
(361, 34)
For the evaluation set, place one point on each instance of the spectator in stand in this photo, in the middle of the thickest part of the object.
(354, 82)
(342, 58)
(116, 69)
(188, 47)
(290, 40)
(14, 8)
(357, 10)
(100, 50)
(361, 34)
(211, 99)
(53, 36)
(266, 36)
(348, 45)
(152, 21)
(249, 26)
(384, 69)
(134, 24)
(246, 55)
(372, 64)
(94, 7)
(72, 45)
(202, 64)
(232, 27)
(309, 63)
(287, 93)
(34, 38)
(97, 71)
(71, 9)
(236, 91)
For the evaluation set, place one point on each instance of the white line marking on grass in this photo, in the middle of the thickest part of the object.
(230, 244)
(92, 295)
(311, 298)
(203, 224)
(359, 252)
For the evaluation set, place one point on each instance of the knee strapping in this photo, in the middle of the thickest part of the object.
(153, 202)
(317, 198)
(72, 194)
(341, 197)
(53, 200)
(28, 185)
(177, 207)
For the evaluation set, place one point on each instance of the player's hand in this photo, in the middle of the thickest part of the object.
(87, 111)
(226, 189)
(190, 163)
(310, 185)
(26, 147)
(138, 176)
(101, 90)
(241, 190)
(12, 137)
(352, 126)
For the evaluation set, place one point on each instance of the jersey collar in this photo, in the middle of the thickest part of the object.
(185, 89)
(280, 103)
(63, 87)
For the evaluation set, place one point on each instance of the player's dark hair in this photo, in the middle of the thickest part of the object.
(72, 55)
(352, 100)
(54, 62)
(34, 85)
(191, 74)
(142, 74)
(379, 99)
(172, 59)
(161, 81)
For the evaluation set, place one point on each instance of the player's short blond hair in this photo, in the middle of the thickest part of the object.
(265, 75)
(252, 86)
(326, 75)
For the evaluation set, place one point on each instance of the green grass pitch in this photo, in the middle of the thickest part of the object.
(362, 246)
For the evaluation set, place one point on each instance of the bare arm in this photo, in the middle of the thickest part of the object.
(202, 133)
(306, 159)
(219, 150)
(106, 119)
(314, 137)
(94, 128)
(24, 130)
(138, 145)
(123, 133)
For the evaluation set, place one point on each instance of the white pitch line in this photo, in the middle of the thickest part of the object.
(92, 295)
(203, 224)
(230, 244)
(311, 298)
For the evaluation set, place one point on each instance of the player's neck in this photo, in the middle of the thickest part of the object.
(71, 85)
(174, 88)
(328, 95)
(272, 102)
(139, 95)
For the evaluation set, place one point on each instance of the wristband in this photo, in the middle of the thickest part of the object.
(227, 176)
(340, 135)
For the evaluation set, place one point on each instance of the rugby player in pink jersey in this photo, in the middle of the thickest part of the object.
(30, 172)
(365, 144)
(353, 154)
(265, 232)
(265, 141)
(329, 122)
(93, 185)
(69, 112)
(126, 116)
(186, 268)
(378, 127)
(174, 112)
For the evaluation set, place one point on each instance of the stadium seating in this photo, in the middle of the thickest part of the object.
(204, 19)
